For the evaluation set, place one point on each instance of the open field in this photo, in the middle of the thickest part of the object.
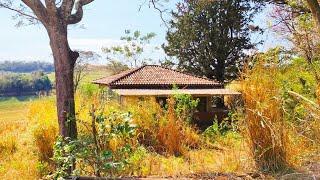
(94, 72)
(17, 145)
(16, 130)
(14, 108)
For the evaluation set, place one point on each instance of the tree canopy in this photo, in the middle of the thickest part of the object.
(209, 37)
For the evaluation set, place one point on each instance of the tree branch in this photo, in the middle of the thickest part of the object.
(154, 4)
(51, 7)
(18, 11)
(38, 9)
(78, 15)
(67, 6)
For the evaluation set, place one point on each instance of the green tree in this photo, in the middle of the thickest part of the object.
(209, 37)
(131, 51)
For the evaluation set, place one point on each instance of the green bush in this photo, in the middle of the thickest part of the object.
(96, 153)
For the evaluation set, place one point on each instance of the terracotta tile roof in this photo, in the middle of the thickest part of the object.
(153, 75)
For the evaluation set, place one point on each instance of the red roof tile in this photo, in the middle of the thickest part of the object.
(151, 75)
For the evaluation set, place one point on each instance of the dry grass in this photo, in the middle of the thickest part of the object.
(33, 138)
(264, 117)
(279, 141)
(42, 114)
(29, 140)
(170, 134)
(161, 130)
(235, 159)
(318, 94)
(17, 158)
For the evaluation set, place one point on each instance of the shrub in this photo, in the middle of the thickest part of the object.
(147, 115)
(184, 106)
(101, 151)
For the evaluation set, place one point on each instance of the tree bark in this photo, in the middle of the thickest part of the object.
(64, 61)
(315, 10)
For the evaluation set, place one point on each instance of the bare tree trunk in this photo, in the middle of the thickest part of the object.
(64, 61)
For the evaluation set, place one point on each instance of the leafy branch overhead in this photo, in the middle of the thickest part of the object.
(131, 50)
(44, 12)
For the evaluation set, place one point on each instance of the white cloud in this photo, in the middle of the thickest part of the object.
(93, 44)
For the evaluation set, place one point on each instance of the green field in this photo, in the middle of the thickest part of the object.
(94, 72)
(14, 108)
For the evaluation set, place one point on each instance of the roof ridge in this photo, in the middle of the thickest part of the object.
(186, 73)
(128, 74)
(129, 71)
(178, 77)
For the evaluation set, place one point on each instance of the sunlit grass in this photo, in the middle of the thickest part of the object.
(17, 157)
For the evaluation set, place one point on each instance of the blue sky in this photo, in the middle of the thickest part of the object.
(104, 21)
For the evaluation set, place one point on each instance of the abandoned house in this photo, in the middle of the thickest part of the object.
(158, 82)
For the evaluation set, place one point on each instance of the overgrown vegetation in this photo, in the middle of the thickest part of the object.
(275, 132)
(278, 102)
(142, 139)
(139, 138)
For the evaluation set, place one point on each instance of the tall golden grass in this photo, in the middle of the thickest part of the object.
(45, 130)
(161, 130)
(170, 132)
(264, 119)
(17, 150)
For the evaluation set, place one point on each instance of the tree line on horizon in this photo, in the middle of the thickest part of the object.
(18, 84)
(26, 67)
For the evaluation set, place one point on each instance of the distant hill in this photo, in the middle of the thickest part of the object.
(26, 67)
